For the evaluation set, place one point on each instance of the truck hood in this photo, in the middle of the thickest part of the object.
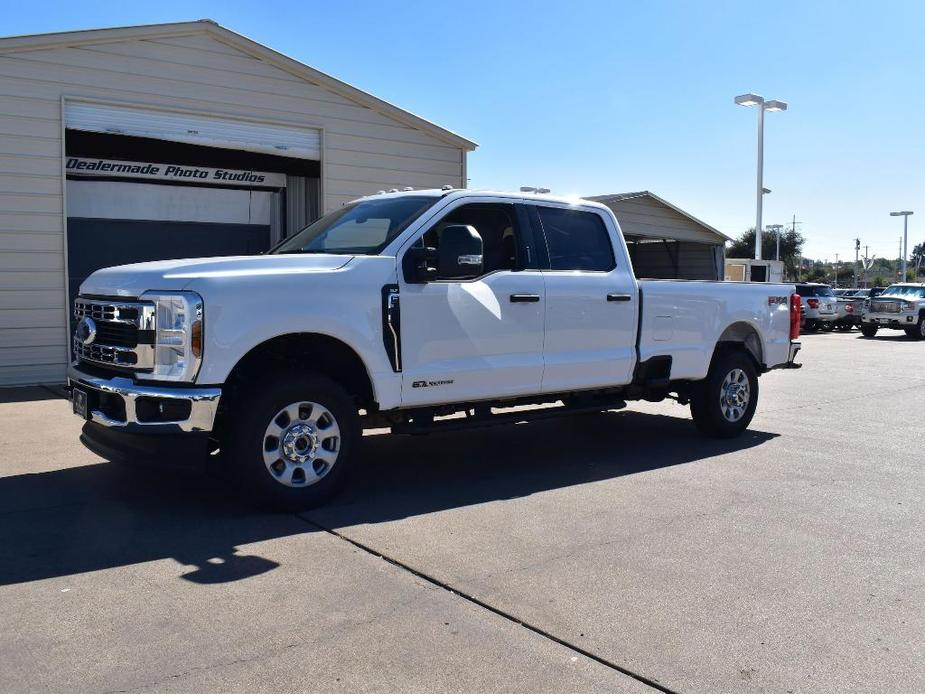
(133, 280)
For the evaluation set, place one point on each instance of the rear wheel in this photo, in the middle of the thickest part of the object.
(810, 326)
(868, 330)
(828, 326)
(723, 404)
(292, 445)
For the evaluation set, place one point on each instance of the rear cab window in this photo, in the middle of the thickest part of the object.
(576, 240)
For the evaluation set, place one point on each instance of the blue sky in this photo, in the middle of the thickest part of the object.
(599, 97)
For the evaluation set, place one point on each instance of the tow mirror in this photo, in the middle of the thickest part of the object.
(459, 255)
(421, 264)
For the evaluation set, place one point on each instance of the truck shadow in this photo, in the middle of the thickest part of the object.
(74, 520)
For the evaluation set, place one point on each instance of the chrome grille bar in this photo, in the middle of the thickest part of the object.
(124, 336)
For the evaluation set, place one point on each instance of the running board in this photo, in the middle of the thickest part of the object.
(423, 422)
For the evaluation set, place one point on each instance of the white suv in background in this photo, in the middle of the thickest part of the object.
(900, 307)
(820, 306)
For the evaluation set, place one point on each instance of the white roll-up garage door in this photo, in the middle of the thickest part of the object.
(303, 143)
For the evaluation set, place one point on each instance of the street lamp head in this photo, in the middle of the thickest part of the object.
(904, 213)
(765, 191)
(749, 100)
(774, 105)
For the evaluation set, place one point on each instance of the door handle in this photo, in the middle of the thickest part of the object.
(619, 297)
(524, 298)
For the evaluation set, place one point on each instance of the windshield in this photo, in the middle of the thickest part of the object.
(360, 228)
(907, 292)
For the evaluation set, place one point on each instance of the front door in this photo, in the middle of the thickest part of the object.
(480, 337)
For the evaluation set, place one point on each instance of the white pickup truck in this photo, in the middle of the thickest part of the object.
(398, 310)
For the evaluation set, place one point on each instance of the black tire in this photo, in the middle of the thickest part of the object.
(828, 326)
(810, 326)
(244, 442)
(707, 404)
(917, 332)
(869, 330)
(844, 327)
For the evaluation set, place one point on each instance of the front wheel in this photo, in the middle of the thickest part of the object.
(869, 330)
(917, 332)
(291, 446)
(723, 404)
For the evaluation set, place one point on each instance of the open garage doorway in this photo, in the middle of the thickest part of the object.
(134, 199)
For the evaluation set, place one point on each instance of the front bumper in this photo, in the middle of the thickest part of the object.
(120, 404)
(890, 320)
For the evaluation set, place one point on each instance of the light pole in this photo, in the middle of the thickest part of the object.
(763, 105)
(836, 269)
(905, 215)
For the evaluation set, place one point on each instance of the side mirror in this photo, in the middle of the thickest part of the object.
(421, 264)
(459, 255)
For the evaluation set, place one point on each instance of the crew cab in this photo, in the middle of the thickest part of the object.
(900, 307)
(398, 310)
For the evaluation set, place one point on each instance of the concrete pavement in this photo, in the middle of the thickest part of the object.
(554, 556)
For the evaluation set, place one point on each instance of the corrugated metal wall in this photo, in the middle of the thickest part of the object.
(364, 152)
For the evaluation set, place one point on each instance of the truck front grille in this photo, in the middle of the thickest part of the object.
(114, 333)
(884, 306)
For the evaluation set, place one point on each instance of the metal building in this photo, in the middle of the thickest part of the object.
(174, 140)
(664, 241)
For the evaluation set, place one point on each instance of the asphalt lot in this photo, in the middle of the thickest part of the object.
(589, 553)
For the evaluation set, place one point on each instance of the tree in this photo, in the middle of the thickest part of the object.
(918, 256)
(791, 246)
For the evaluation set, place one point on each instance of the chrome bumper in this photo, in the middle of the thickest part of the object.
(203, 403)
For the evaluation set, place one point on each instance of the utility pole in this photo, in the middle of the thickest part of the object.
(836, 269)
(857, 250)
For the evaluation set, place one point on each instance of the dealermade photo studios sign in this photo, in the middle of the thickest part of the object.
(83, 166)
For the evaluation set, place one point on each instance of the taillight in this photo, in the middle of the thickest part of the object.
(795, 306)
(813, 303)
(849, 308)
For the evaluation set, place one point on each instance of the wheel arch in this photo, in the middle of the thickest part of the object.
(305, 350)
(744, 336)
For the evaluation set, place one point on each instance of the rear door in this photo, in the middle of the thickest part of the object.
(591, 300)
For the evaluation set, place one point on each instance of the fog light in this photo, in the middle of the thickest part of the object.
(162, 409)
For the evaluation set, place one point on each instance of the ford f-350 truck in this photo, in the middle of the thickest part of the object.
(398, 310)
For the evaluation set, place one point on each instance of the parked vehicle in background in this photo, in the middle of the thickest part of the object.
(850, 308)
(900, 307)
(396, 310)
(819, 307)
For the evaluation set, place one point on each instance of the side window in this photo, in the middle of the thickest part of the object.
(496, 224)
(576, 240)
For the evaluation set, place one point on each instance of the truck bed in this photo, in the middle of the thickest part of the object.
(680, 317)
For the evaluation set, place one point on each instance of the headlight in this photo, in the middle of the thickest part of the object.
(177, 335)
(909, 306)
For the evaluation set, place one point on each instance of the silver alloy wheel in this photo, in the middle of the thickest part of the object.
(922, 327)
(734, 395)
(301, 444)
